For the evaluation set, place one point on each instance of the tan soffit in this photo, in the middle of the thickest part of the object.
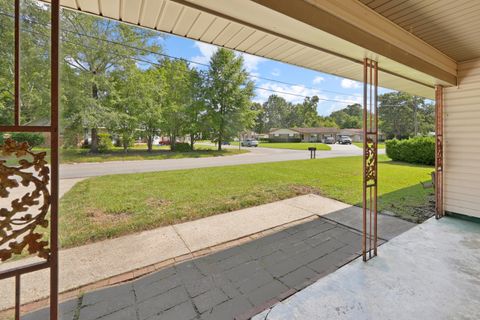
(249, 27)
(452, 27)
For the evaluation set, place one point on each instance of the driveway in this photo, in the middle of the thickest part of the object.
(256, 155)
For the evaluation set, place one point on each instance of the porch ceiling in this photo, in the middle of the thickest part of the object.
(450, 26)
(255, 28)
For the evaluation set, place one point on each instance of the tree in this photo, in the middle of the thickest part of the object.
(397, 115)
(195, 110)
(349, 117)
(125, 103)
(276, 113)
(152, 92)
(90, 46)
(35, 62)
(228, 96)
(178, 96)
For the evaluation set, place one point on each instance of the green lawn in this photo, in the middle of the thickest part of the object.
(381, 145)
(135, 153)
(109, 206)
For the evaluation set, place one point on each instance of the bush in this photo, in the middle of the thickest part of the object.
(33, 139)
(415, 150)
(104, 142)
(182, 147)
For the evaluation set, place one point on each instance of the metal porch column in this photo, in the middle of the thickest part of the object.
(370, 158)
(439, 210)
(20, 229)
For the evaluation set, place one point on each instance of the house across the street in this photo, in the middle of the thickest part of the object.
(318, 134)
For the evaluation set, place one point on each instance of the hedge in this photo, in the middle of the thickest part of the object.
(33, 139)
(419, 150)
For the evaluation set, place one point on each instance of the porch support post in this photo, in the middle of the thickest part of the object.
(439, 210)
(370, 158)
(54, 123)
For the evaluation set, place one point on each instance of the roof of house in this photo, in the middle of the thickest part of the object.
(316, 130)
(351, 131)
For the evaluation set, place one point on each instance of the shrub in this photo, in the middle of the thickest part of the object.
(415, 150)
(182, 147)
(33, 139)
(104, 142)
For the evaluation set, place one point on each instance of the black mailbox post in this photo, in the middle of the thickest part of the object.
(313, 152)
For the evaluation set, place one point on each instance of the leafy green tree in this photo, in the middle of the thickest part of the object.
(34, 66)
(403, 115)
(277, 113)
(228, 96)
(151, 91)
(177, 98)
(349, 117)
(195, 110)
(90, 47)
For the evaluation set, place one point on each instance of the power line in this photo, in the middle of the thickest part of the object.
(190, 61)
(194, 62)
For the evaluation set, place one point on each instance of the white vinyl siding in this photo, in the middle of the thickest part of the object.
(462, 141)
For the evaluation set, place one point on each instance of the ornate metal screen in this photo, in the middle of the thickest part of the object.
(370, 157)
(29, 186)
(439, 211)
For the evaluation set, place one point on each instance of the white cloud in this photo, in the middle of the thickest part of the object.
(275, 72)
(318, 79)
(206, 51)
(350, 84)
(291, 93)
(251, 62)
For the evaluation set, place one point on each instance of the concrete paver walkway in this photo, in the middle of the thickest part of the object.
(429, 272)
(240, 280)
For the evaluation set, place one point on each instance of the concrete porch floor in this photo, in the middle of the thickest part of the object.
(431, 271)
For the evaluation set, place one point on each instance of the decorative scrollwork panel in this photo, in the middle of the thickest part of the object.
(27, 183)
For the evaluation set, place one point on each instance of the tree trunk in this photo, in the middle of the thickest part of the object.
(192, 140)
(150, 143)
(172, 143)
(94, 144)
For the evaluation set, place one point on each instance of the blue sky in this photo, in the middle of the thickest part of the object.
(301, 82)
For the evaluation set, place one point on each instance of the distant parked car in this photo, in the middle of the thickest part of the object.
(226, 143)
(249, 143)
(345, 140)
(329, 140)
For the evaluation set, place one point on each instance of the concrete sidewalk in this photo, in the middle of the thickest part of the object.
(130, 256)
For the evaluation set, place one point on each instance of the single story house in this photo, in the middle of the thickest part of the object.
(318, 134)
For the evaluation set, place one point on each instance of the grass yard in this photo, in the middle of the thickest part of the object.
(136, 153)
(381, 145)
(109, 206)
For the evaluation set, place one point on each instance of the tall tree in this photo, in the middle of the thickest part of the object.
(35, 62)
(228, 95)
(95, 47)
(152, 88)
(349, 117)
(396, 112)
(195, 111)
(178, 96)
(277, 113)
